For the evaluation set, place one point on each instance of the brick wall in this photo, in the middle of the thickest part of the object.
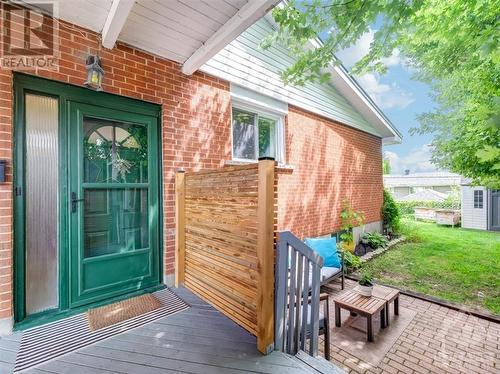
(6, 195)
(195, 124)
(330, 162)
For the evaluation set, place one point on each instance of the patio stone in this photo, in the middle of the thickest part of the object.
(437, 340)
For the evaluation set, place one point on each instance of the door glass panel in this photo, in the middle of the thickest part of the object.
(41, 199)
(116, 221)
(114, 152)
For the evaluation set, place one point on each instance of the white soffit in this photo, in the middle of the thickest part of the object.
(185, 31)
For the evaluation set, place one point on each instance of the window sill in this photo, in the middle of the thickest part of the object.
(282, 168)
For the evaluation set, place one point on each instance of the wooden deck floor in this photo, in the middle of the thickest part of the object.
(198, 340)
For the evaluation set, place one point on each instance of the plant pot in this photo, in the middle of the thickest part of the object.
(365, 290)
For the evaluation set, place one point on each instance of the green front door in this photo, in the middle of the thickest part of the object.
(113, 193)
(87, 198)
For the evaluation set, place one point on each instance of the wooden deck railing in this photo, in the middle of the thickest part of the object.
(225, 228)
(297, 295)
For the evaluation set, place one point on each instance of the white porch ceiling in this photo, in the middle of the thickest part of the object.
(174, 29)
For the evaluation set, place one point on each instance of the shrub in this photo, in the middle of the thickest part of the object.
(374, 239)
(350, 218)
(390, 212)
(351, 261)
(408, 207)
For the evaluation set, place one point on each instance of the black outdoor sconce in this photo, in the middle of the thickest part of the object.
(95, 73)
(3, 164)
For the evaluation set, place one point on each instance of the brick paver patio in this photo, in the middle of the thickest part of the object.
(437, 340)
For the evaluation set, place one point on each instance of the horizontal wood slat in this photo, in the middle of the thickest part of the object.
(221, 231)
(226, 221)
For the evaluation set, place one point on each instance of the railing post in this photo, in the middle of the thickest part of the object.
(180, 227)
(280, 289)
(265, 256)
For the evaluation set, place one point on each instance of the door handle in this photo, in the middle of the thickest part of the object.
(74, 200)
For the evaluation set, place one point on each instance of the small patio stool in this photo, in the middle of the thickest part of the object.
(389, 295)
(362, 305)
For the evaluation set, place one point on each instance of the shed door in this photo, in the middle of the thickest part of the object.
(495, 210)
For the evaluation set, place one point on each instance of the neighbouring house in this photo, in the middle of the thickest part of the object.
(480, 207)
(87, 212)
(402, 185)
(425, 195)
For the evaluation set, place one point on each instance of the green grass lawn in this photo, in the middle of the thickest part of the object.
(458, 265)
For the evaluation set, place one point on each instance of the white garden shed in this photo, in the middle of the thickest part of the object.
(480, 207)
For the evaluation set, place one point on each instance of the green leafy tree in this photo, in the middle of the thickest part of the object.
(452, 45)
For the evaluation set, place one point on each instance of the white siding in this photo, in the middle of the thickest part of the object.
(243, 62)
(474, 218)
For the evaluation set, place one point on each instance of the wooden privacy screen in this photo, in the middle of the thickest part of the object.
(225, 225)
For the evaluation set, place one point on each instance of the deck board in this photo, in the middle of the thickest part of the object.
(198, 340)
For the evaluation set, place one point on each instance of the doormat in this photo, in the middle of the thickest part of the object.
(48, 342)
(107, 315)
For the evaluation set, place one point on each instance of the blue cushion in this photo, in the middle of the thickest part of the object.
(326, 248)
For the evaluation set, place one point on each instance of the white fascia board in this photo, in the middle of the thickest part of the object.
(360, 100)
(252, 11)
(117, 16)
(390, 140)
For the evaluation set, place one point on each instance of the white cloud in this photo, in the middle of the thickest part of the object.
(356, 52)
(394, 59)
(386, 96)
(418, 160)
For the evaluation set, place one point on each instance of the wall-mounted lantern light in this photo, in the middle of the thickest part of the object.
(94, 73)
(3, 163)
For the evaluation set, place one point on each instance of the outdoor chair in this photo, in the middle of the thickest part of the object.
(328, 274)
(334, 266)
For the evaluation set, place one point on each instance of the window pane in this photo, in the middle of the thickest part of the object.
(243, 134)
(267, 137)
(114, 152)
(115, 221)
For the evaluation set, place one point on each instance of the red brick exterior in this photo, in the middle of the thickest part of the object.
(331, 160)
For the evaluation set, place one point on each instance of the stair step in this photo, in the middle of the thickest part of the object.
(318, 364)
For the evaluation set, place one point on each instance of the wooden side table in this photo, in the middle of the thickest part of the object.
(389, 295)
(362, 305)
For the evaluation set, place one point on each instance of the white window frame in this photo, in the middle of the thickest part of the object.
(480, 199)
(258, 111)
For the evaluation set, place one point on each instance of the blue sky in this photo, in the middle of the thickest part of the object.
(401, 98)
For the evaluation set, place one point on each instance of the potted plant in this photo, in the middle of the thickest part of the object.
(365, 284)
